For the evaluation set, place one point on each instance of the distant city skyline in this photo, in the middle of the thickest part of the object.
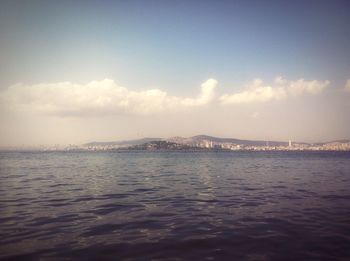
(75, 72)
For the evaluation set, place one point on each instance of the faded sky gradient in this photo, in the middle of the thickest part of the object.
(79, 71)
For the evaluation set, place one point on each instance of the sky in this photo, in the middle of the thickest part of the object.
(72, 72)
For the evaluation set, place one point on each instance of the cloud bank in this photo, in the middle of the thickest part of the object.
(107, 97)
(99, 97)
(258, 92)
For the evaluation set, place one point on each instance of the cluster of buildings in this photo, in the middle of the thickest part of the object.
(98, 147)
(290, 146)
(342, 146)
(207, 144)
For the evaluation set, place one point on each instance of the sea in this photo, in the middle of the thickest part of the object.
(174, 205)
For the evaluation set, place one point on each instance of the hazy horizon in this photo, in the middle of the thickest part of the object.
(82, 71)
(160, 138)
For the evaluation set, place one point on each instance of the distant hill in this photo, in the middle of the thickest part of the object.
(122, 143)
(195, 140)
(201, 138)
(333, 141)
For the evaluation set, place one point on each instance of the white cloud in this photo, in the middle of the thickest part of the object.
(106, 97)
(207, 94)
(98, 98)
(347, 85)
(301, 86)
(280, 80)
(257, 92)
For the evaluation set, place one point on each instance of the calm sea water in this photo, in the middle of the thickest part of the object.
(176, 205)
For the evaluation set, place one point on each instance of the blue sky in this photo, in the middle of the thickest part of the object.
(175, 46)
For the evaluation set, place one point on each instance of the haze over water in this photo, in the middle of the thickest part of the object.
(204, 205)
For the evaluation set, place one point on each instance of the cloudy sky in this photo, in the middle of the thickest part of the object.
(80, 71)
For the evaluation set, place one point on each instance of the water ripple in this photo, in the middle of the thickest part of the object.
(200, 206)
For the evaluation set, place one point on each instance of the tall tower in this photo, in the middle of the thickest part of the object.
(290, 143)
